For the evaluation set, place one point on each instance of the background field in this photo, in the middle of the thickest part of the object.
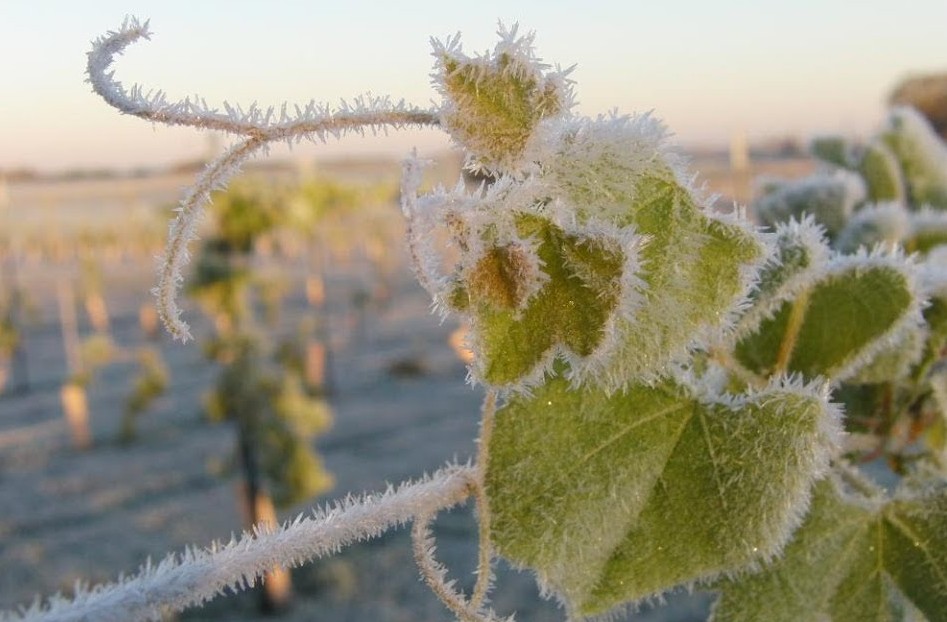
(400, 402)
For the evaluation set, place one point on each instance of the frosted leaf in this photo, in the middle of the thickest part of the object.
(922, 155)
(614, 498)
(602, 257)
(534, 284)
(852, 309)
(696, 266)
(830, 198)
(880, 169)
(854, 558)
(600, 165)
(494, 103)
(518, 330)
(886, 224)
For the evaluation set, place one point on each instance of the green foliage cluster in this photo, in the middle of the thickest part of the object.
(687, 399)
(675, 397)
(95, 352)
(276, 415)
(891, 189)
(9, 330)
(151, 383)
(262, 393)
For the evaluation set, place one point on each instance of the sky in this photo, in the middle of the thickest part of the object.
(710, 69)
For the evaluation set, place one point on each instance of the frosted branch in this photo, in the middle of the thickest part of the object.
(260, 127)
(196, 576)
(313, 120)
(435, 575)
(183, 230)
(485, 553)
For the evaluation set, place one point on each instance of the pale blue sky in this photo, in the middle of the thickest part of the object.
(708, 68)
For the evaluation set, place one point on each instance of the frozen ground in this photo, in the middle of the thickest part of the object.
(70, 515)
(67, 515)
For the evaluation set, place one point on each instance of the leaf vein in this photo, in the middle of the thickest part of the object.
(713, 460)
(922, 546)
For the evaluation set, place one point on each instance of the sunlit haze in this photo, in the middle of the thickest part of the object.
(711, 70)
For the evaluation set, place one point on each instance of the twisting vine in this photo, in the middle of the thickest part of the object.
(199, 575)
(314, 122)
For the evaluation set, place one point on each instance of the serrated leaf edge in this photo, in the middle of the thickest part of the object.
(830, 432)
(524, 63)
(810, 235)
(582, 368)
(837, 264)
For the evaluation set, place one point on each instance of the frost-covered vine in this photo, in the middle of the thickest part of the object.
(198, 575)
(259, 127)
(675, 397)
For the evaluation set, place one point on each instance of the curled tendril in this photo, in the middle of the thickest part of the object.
(259, 127)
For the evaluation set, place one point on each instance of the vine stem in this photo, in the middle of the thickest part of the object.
(797, 314)
(197, 576)
(435, 574)
(485, 552)
(722, 356)
(259, 127)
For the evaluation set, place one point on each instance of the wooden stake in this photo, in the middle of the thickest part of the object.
(315, 365)
(73, 396)
(76, 410)
(98, 312)
(69, 326)
(315, 290)
(148, 320)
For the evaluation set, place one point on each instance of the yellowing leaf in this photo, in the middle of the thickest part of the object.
(517, 336)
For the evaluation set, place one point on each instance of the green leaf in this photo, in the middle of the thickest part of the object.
(854, 558)
(695, 270)
(833, 150)
(695, 267)
(494, 103)
(613, 498)
(881, 171)
(518, 332)
(922, 155)
(829, 198)
(839, 323)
